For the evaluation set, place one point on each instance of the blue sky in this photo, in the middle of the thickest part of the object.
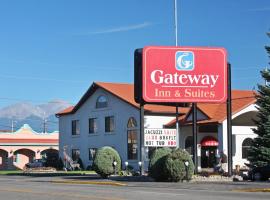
(55, 49)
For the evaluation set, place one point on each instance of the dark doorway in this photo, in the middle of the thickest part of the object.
(208, 156)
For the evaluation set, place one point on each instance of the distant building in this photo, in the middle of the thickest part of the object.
(107, 115)
(20, 147)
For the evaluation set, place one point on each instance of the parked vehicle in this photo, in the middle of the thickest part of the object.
(36, 163)
(260, 173)
(52, 160)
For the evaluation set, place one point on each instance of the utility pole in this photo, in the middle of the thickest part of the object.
(44, 122)
(12, 125)
(44, 125)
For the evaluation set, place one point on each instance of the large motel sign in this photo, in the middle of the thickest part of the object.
(179, 75)
(184, 74)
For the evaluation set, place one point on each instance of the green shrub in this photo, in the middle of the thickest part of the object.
(103, 162)
(156, 164)
(174, 166)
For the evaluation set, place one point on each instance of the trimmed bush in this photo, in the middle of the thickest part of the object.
(103, 162)
(156, 164)
(174, 166)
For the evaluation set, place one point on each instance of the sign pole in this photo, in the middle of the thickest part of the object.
(141, 139)
(177, 124)
(194, 131)
(229, 121)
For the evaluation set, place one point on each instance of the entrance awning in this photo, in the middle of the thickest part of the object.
(209, 142)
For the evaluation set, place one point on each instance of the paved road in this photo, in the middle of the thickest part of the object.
(42, 188)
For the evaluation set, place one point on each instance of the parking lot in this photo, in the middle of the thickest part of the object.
(87, 187)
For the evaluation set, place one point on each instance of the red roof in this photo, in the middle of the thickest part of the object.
(66, 111)
(124, 92)
(217, 113)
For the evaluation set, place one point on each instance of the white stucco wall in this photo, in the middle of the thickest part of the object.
(239, 133)
(121, 111)
(118, 139)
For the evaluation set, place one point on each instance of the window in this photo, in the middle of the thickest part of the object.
(109, 124)
(75, 127)
(92, 153)
(132, 123)
(132, 139)
(101, 102)
(245, 147)
(189, 145)
(75, 154)
(92, 125)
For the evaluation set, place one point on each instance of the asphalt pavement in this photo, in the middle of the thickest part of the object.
(89, 187)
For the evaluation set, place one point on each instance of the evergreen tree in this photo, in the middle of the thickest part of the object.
(259, 153)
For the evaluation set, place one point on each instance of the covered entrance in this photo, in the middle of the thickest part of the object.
(209, 150)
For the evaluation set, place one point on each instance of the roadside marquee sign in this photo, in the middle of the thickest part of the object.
(184, 74)
(156, 137)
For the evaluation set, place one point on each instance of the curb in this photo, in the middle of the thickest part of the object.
(89, 183)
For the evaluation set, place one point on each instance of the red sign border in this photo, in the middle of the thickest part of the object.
(145, 49)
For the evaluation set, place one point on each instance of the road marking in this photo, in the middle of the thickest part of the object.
(89, 182)
(252, 190)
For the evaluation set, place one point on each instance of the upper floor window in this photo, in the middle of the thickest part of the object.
(245, 147)
(75, 127)
(132, 123)
(102, 102)
(109, 124)
(93, 125)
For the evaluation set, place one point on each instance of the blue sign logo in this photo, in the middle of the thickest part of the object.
(184, 60)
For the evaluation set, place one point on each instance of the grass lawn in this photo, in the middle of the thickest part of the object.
(10, 172)
(77, 172)
(62, 173)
